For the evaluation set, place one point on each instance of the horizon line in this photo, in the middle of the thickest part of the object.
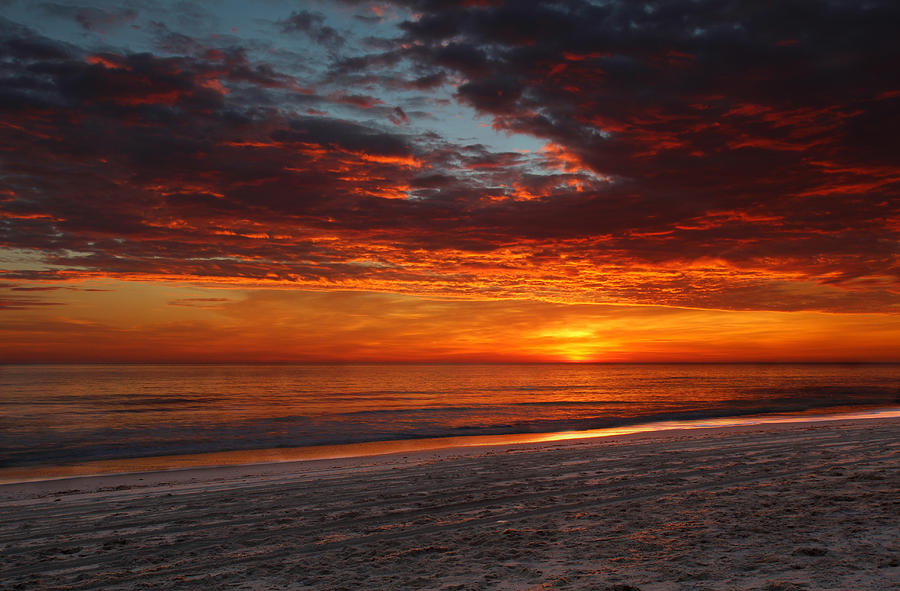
(445, 362)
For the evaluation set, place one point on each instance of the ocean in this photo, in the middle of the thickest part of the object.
(70, 415)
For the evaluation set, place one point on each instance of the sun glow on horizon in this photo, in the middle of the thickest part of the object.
(572, 344)
(130, 321)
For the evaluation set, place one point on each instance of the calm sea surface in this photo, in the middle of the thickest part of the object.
(52, 415)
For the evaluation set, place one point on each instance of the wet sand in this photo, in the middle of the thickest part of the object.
(810, 506)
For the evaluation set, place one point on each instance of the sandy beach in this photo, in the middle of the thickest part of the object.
(809, 506)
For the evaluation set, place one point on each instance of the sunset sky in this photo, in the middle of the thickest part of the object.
(449, 180)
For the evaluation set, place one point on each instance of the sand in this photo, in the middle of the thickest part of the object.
(777, 507)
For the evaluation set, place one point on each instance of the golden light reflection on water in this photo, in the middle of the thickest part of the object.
(322, 452)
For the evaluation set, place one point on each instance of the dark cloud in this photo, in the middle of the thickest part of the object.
(313, 25)
(13, 303)
(36, 288)
(357, 100)
(497, 95)
(398, 117)
(342, 135)
(471, 61)
(31, 48)
(694, 107)
(695, 153)
(90, 18)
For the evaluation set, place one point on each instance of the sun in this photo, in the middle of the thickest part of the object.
(571, 345)
(579, 355)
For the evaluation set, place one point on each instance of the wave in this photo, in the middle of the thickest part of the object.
(302, 431)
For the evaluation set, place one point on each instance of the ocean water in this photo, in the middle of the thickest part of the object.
(64, 414)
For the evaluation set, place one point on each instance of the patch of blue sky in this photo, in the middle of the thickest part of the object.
(173, 28)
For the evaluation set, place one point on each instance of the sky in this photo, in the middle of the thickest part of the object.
(449, 180)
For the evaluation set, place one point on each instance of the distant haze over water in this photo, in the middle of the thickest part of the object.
(52, 415)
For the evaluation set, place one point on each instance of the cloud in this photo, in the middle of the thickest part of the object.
(398, 117)
(357, 100)
(90, 18)
(12, 303)
(691, 157)
(312, 24)
(203, 303)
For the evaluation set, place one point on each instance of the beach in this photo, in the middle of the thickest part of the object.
(809, 506)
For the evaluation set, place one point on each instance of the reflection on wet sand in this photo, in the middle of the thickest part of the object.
(374, 448)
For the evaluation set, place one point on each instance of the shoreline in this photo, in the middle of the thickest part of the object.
(407, 452)
(289, 455)
(777, 506)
